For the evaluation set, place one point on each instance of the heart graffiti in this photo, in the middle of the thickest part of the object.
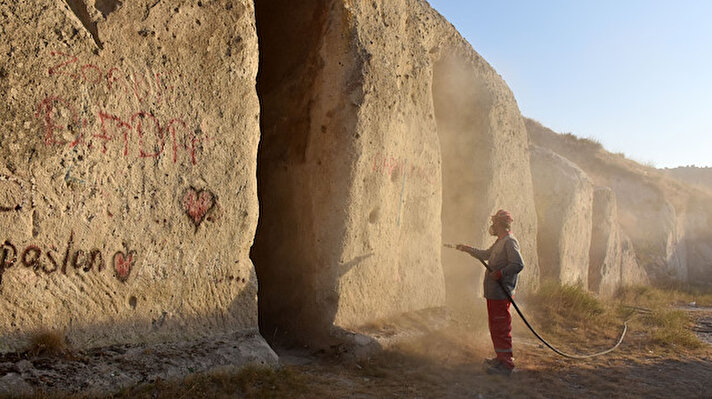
(197, 204)
(123, 263)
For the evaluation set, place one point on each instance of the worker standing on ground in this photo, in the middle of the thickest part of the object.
(505, 261)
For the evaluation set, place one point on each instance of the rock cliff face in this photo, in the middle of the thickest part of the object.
(484, 164)
(564, 199)
(613, 262)
(383, 131)
(129, 138)
(131, 172)
(667, 221)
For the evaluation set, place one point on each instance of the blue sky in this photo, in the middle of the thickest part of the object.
(635, 75)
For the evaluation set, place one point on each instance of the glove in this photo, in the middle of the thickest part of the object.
(496, 275)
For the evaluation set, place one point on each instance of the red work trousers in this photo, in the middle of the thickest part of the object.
(500, 326)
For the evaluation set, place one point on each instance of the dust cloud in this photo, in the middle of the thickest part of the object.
(462, 105)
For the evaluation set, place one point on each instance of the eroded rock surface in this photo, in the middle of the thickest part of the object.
(129, 138)
(564, 201)
(613, 261)
(107, 370)
(667, 221)
(385, 134)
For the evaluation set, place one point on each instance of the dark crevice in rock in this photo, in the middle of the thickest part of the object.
(80, 10)
(290, 34)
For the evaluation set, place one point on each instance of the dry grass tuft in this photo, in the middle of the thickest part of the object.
(264, 382)
(248, 382)
(47, 343)
(666, 326)
(568, 313)
(572, 301)
(669, 295)
(672, 328)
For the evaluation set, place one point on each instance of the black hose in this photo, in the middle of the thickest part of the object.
(536, 334)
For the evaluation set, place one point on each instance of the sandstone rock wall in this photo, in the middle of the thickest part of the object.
(665, 219)
(604, 273)
(654, 226)
(632, 272)
(129, 138)
(613, 262)
(564, 199)
(484, 165)
(698, 238)
(369, 157)
(440, 144)
(131, 172)
(349, 172)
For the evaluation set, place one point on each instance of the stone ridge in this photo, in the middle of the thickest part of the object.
(666, 219)
(564, 201)
(697, 176)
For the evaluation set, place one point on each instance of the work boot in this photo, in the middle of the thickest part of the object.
(492, 362)
(499, 369)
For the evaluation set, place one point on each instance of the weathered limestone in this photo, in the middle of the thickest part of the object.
(659, 214)
(632, 272)
(359, 139)
(698, 238)
(604, 271)
(130, 174)
(612, 257)
(485, 166)
(349, 176)
(654, 226)
(564, 199)
(129, 137)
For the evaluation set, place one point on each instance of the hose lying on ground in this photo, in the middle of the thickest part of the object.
(524, 319)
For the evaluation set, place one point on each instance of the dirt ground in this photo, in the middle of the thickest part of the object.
(443, 363)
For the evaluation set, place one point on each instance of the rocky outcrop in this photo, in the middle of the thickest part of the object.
(632, 272)
(564, 200)
(130, 150)
(613, 261)
(653, 224)
(129, 138)
(666, 220)
(485, 165)
(604, 272)
(698, 238)
(372, 152)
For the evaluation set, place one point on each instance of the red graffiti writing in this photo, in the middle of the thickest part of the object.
(388, 165)
(197, 204)
(141, 134)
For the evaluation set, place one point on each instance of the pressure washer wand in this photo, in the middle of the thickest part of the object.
(524, 319)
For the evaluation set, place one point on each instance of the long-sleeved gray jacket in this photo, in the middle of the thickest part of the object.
(502, 255)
